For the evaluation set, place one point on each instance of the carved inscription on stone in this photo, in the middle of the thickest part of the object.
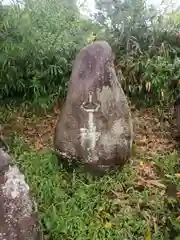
(88, 134)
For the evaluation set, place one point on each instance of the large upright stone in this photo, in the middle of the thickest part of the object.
(95, 122)
(18, 219)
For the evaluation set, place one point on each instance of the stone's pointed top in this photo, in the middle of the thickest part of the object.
(99, 42)
(98, 45)
(100, 50)
(92, 62)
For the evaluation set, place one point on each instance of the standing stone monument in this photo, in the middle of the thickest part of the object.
(18, 218)
(95, 124)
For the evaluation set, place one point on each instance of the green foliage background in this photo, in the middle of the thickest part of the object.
(39, 41)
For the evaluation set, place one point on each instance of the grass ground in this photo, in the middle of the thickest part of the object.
(141, 202)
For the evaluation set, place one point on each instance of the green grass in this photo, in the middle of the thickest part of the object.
(75, 205)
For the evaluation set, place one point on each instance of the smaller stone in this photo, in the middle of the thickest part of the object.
(18, 220)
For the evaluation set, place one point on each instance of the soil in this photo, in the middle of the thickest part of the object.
(152, 134)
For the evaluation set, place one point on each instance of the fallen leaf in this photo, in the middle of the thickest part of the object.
(108, 225)
(149, 183)
(177, 175)
(146, 170)
(156, 183)
(148, 235)
(148, 86)
(178, 218)
(38, 145)
(178, 194)
(141, 164)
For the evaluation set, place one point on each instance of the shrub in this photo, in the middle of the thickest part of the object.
(39, 42)
(147, 47)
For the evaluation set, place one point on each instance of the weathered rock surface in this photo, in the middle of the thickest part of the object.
(95, 122)
(18, 219)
